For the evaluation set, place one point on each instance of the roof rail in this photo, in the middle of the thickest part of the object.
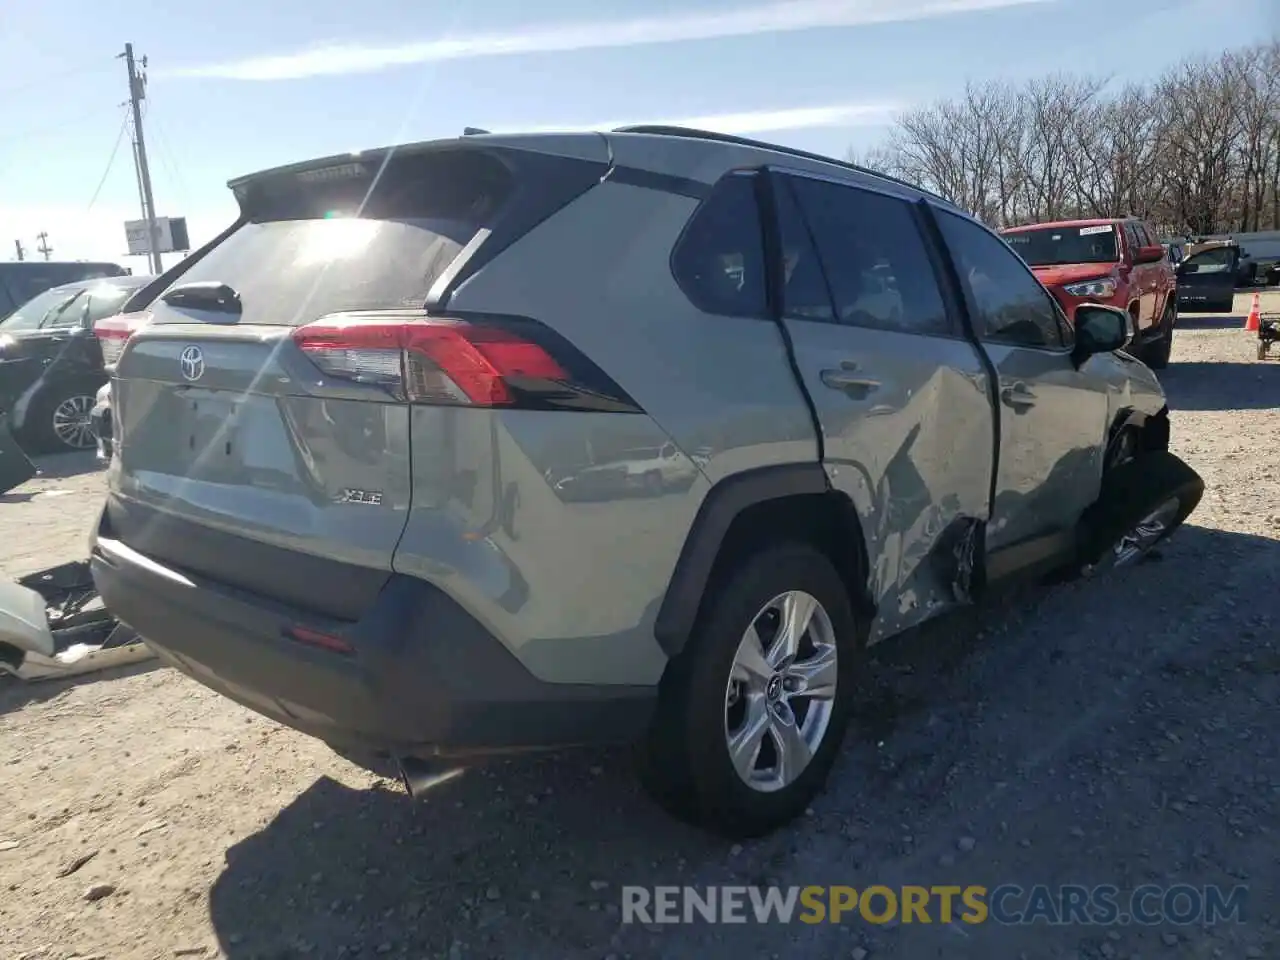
(695, 134)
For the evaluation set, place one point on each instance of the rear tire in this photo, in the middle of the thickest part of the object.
(1142, 502)
(58, 419)
(737, 683)
(1156, 353)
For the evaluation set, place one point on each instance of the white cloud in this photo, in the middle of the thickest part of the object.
(777, 17)
(756, 121)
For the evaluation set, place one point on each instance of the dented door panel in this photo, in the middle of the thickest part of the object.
(903, 402)
(914, 456)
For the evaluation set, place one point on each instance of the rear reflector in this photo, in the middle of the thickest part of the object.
(314, 638)
(493, 362)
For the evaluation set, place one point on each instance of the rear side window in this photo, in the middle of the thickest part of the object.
(874, 258)
(319, 243)
(105, 300)
(719, 259)
(1012, 306)
(1131, 238)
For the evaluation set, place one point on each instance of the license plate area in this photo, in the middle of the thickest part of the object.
(210, 431)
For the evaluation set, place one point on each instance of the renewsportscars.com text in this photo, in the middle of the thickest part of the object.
(973, 904)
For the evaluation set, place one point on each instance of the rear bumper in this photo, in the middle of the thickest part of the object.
(424, 679)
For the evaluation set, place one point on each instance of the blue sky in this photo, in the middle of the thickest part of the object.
(245, 84)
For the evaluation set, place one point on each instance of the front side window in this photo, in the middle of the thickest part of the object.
(805, 295)
(1212, 261)
(1012, 307)
(873, 257)
(719, 259)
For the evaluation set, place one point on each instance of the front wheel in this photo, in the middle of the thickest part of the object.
(752, 713)
(1143, 501)
(1156, 353)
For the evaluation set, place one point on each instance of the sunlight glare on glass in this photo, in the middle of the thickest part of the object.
(336, 238)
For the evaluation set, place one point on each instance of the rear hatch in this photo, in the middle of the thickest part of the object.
(257, 453)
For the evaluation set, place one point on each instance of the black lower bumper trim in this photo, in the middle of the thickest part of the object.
(426, 679)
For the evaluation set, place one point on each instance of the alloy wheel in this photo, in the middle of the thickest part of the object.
(1134, 543)
(781, 691)
(72, 424)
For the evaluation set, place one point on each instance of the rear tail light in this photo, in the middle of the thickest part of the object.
(494, 362)
(114, 332)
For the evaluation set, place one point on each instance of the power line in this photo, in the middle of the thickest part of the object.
(44, 81)
(167, 156)
(124, 125)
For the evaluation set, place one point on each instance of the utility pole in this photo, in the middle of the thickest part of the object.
(22, 253)
(137, 92)
(44, 244)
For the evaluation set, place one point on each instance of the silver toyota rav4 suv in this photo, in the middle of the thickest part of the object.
(504, 443)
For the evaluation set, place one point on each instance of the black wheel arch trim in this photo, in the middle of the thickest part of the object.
(1153, 428)
(721, 506)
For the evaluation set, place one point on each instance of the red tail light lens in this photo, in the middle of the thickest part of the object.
(426, 360)
(114, 332)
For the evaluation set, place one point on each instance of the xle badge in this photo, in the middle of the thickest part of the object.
(370, 497)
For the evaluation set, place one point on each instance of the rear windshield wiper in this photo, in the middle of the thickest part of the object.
(204, 295)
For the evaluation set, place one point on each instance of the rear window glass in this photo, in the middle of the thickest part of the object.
(325, 243)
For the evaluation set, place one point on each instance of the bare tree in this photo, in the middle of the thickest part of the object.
(1196, 150)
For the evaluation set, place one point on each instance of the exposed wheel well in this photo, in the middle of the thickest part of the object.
(1155, 432)
(1150, 433)
(827, 521)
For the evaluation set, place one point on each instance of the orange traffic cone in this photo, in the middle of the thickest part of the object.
(1254, 315)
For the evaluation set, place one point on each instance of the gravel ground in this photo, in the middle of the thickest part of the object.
(1116, 732)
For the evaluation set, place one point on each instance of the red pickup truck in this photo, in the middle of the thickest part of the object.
(1119, 262)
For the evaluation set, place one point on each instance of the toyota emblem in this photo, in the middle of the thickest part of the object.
(192, 362)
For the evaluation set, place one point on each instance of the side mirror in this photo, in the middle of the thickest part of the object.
(1151, 254)
(1186, 267)
(1101, 329)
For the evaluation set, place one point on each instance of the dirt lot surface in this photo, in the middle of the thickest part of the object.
(1120, 732)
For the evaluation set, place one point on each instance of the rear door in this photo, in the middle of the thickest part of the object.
(901, 396)
(1149, 278)
(1207, 281)
(239, 458)
(1053, 417)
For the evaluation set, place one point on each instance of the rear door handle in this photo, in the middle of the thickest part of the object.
(847, 378)
(1018, 396)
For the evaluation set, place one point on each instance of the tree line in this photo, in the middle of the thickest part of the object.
(1195, 151)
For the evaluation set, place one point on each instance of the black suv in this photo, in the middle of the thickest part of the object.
(51, 363)
(21, 281)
